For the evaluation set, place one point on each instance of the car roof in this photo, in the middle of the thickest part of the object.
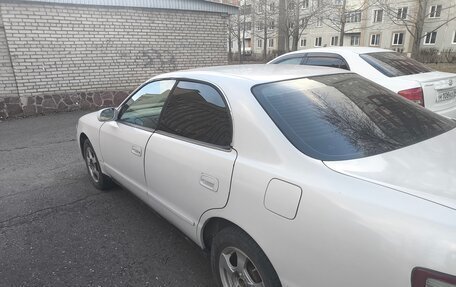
(354, 50)
(252, 74)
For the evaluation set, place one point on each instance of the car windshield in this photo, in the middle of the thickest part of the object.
(393, 64)
(344, 116)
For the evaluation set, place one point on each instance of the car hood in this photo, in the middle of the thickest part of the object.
(426, 169)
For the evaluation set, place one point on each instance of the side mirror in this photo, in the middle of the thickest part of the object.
(107, 114)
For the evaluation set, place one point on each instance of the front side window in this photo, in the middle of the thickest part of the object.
(393, 64)
(144, 107)
(344, 116)
(430, 37)
(332, 62)
(198, 112)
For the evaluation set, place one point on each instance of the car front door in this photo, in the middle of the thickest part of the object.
(123, 142)
(189, 159)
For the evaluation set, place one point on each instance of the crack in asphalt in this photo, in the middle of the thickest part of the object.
(37, 146)
(22, 219)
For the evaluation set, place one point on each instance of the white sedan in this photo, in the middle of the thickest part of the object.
(290, 176)
(396, 72)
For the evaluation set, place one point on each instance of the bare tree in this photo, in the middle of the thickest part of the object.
(264, 15)
(338, 15)
(414, 22)
(235, 32)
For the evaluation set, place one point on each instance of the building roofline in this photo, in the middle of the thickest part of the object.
(189, 5)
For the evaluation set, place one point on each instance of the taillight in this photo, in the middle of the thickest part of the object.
(415, 95)
(422, 277)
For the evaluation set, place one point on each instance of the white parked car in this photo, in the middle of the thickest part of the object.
(290, 176)
(397, 72)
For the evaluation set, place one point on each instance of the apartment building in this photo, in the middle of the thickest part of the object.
(380, 23)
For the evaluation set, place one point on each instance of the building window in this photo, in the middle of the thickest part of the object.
(354, 40)
(430, 38)
(272, 7)
(318, 42)
(305, 4)
(398, 39)
(319, 22)
(271, 25)
(353, 17)
(259, 26)
(271, 43)
(402, 13)
(435, 11)
(248, 26)
(303, 42)
(245, 9)
(375, 40)
(338, 2)
(259, 43)
(334, 40)
(378, 16)
(454, 38)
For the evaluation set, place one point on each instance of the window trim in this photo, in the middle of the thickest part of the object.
(402, 13)
(430, 38)
(193, 141)
(403, 39)
(119, 107)
(374, 19)
(435, 12)
(379, 36)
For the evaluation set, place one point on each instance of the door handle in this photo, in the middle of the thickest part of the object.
(209, 182)
(136, 150)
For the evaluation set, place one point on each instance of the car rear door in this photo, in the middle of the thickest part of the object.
(189, 159)
(123, 142)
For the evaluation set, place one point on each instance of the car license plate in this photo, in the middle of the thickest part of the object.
(445, 96)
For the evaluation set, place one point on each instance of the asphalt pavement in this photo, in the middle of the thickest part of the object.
(56, 229)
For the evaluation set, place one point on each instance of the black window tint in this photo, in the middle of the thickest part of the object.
(197, 111)
(394, 64)
(326, 62)
(344, 116)
(144, 107)
(291, 61)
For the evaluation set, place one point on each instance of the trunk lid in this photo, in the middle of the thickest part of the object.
(439, 89)
(426, 169)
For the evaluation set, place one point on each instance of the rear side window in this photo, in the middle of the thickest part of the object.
(327, 62)
(197, 111)
(344, 116)
(393, 64)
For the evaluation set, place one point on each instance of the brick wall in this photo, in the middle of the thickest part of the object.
(67, 57)
(8, 89)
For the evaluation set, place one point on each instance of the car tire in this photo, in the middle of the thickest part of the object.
(97, 177)
(237, 260)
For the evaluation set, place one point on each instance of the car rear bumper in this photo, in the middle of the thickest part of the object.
(449, 113)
